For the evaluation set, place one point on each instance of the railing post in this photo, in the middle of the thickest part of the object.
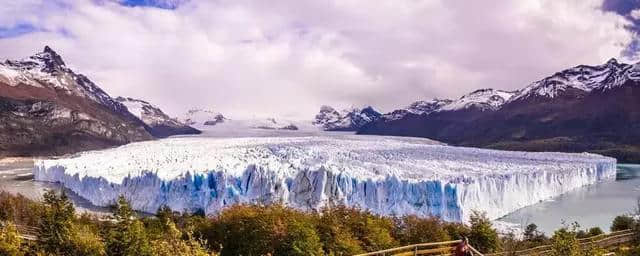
(415, 251)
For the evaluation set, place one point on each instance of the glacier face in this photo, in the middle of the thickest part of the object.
(386, 175)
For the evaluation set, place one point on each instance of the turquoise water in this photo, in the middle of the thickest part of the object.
(591, 206)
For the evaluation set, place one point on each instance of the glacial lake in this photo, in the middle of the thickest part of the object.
(590, 206)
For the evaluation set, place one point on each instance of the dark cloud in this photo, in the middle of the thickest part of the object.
(625, 8)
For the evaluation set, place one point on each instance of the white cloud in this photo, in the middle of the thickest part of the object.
(635, 14)
(288, 57)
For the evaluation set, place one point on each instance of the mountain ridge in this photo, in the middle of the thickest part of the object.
(583, 108)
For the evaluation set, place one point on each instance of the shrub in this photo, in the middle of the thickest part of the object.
(19, 209)
(482, 236)
(10, 240)
(85, 241)
(414, 230)
(622, 222)
(262, 230)
(565, 243)
(171, 243)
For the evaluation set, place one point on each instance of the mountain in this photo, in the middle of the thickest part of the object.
(46, 108)
(202, 117)
(584, 108)
(417, 108)
(352, 119)
(160, 124)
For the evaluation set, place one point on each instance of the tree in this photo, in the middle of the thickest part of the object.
(565, 243)
(10, 240)
(55, 225)
(414, 230)
(595, 231)
(262, 230)
(128, 237)
(171, 243)
(622, 222)
(85, 242)
(482, 236)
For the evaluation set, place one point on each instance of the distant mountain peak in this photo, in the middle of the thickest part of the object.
(200, 116)
(350, 119)
(161, 125)
(51, 59)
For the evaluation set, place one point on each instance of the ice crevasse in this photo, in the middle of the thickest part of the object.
(386, 175)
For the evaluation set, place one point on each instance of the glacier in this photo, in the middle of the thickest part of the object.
(385, 175)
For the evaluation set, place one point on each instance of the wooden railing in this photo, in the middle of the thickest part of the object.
(25, 232)
(447, 248)
(440, 248)
(602, 241)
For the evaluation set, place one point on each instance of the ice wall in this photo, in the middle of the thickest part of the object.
(383, 174)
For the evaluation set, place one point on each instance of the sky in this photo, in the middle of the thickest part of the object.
(286, 58)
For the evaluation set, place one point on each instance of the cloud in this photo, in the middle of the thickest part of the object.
(288, 57)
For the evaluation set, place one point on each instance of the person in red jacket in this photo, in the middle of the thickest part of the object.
(462, 249)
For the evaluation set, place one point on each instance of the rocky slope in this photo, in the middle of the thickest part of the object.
(48, 109)
(584, 108)
(160, 124)
(352, 119)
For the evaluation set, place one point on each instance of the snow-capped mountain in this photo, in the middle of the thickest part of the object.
(160, 123)
(351, 119)
(582, 78)
(202, 117)
(483, 99)
(47, 108)
(584, 108)
(417, 108)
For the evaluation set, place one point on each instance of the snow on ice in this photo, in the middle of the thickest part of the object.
(386, 175)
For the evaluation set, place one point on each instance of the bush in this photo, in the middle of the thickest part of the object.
(414, 230)
(262, 230)
(482, 236)
(10, 240)
(348, 231)
(565, 243)
(622, 222)
(86, 242)
(20, 210)
(171, 243)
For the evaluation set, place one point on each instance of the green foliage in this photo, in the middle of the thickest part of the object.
(171, 244)
(55, 225)
(85, 241)
(483, 236)
(128, 237)
(457, 231)
(20, 210)
(334, 230)
(414, 230)
(593, 250)
(348, 231)
(261, 230)
(10, 240)
(565, 243)
(595, 231)
(622, 222)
